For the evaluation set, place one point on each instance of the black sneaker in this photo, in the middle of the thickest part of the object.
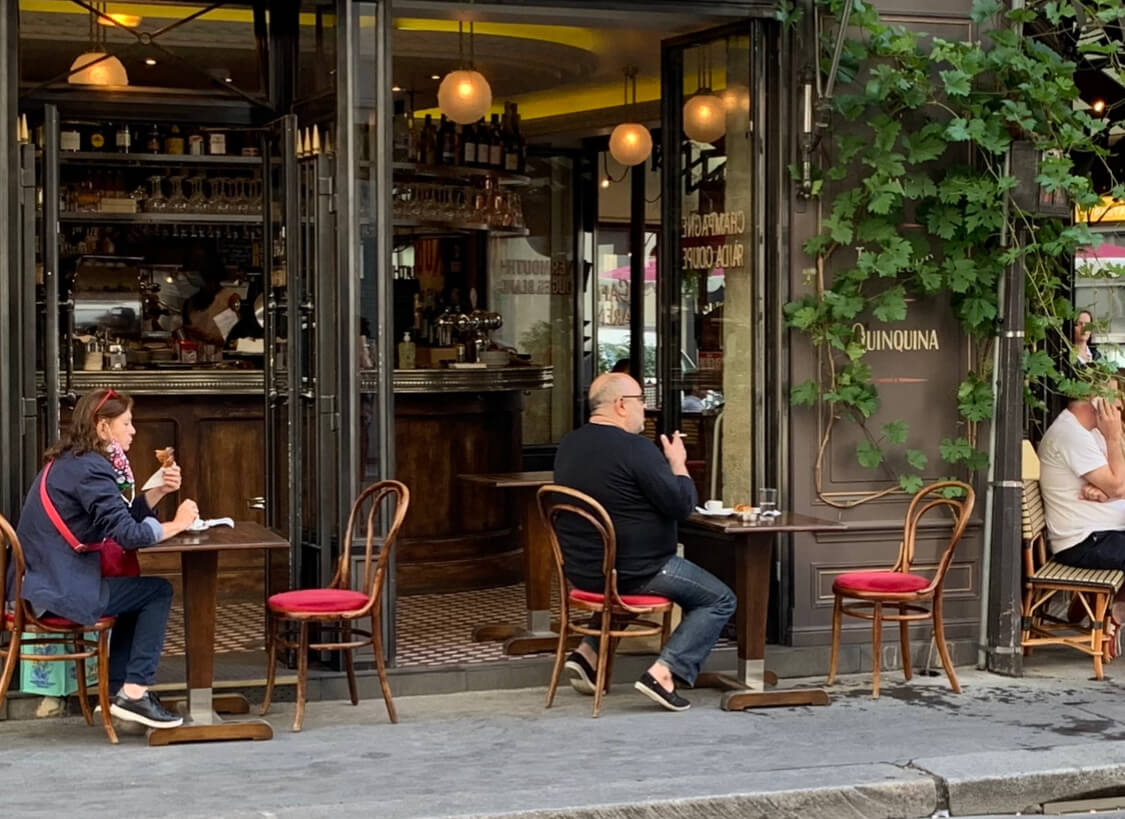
(147, 711)
(648, 686)
(581, 674)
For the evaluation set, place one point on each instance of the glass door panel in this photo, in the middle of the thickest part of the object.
(708, 294)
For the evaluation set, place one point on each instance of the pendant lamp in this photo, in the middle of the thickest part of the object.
(705, 117)
(96, 66)
(630, 143)
(464, 95)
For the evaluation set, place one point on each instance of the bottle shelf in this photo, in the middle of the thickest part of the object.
(459, 173)
(161, 218)
(113, 158)
(423, 226)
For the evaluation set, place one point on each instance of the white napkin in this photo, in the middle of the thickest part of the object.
(155, 481)
(200, 524)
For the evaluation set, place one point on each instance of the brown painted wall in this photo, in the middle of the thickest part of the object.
(916, 385)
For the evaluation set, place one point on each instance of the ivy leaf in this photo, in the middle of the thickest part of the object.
(961, 272)
(958, 129)
(895, 432)
(957, 83)
(891, 305)
(978, 313)
(943, 221)
(924, 146)
(868, 455)
(954, 451)
(804, 318)
(805, 394)
(983, 10)
(910, 484)
(1039, 364)
(917, 459)
(974, 399)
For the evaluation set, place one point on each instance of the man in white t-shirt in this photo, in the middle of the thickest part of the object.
(1082, 478)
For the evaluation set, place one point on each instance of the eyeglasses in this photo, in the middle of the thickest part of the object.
(639, 397)
(110, 393)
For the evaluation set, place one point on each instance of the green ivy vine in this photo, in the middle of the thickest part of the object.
(915, 194)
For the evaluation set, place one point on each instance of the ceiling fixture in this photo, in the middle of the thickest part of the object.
(630, 143)
(1099, 106)
(96, 67)
(605, 182)
(396, 88)
(115, 18)
(736, 98)
(435, 76)
(150, 61)
(464, 95)
(704, 114)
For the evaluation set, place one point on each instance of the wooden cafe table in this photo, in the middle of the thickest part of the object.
(536, 635)
(753, 544)
(199, 560)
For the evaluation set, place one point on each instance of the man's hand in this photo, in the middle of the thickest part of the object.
(1109, 420)
(1089, 492)
(675, 453)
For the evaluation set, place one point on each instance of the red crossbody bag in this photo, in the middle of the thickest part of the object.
(117, 561)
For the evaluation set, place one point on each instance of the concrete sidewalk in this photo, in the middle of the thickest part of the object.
(1000, 747)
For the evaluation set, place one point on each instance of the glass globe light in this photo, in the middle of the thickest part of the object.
(736, 98)
(630, 143)
(704, 118)
(107, 72)
(464, 96)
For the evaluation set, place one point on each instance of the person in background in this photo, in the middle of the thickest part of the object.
(693, 400)
(622, 365)
(646, 495)
(90, 483)
(1084, 349)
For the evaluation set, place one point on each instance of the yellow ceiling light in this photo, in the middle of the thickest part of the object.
(91, 69)
(736, 98)
(127, 20)
(464, 95)
(630, 143)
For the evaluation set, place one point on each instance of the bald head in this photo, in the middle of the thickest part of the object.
(616, 398)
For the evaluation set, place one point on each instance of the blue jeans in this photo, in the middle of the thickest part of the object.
(707, 605)
(141, 606)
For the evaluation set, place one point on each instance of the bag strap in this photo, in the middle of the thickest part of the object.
(53, 513)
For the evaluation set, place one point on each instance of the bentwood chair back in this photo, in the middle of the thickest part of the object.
(19, 620)
(612, 616)
(899, 595)
(335, 607)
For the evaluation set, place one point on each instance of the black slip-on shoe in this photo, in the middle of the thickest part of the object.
(147, 711)
(580, 673)
(648, 686)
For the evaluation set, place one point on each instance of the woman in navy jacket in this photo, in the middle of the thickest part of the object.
(91, 485)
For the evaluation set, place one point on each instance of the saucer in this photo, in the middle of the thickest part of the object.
(718, 513)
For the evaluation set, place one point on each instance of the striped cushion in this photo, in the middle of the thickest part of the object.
(1052, 572)
(1033, 518)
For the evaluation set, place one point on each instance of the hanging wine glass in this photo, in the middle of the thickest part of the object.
(155, 201)
(177, 202)
(197, 202)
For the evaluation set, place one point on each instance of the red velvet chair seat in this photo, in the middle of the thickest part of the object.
(880, 581)
(636, 600)
(57, 622)
(318, 601)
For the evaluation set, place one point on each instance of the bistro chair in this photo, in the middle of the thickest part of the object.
(20, 619)
(609, 623)
(333, 609)
(898, 595)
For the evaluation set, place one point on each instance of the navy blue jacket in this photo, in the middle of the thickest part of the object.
(84, 490)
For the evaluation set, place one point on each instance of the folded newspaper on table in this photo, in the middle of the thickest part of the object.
(201, 524)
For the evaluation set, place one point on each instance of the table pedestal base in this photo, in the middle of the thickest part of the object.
(208, 726)
(518, 641)
(222, 703)
(738, 697)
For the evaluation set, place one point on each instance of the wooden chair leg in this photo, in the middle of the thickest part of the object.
(665, 628)
(613, 642)
(560, 655)
(877, 646)
(1097, 635)
(302, 672)
(349, 664)
(837, 617)
(943, 650)
(80, 678)
(380, 665)
(271, 660)
(9, 664)
(103, 684)
(904, 642)
(603, 655)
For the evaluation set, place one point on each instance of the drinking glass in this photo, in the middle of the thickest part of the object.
(155, 202)
(767, 501)
(197, 202)
(177, 201)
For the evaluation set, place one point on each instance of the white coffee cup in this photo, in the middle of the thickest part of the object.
(713, 505)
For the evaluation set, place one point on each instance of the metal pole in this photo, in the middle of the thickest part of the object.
(637, 272)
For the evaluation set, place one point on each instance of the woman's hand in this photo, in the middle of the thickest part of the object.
(186, 514)
(172, 481)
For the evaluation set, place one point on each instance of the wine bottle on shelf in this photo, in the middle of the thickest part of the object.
(484, 143)
(511, 140)
(448, 140)
(495, 144)
(521, 142)
(153, 143)
(123, 139)
(174, 143)
(195, 142)
(413, 144)
(429, 142)
(469, 145)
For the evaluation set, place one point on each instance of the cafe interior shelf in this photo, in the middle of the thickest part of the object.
(97, 218)
(457, 172)
(108, 158)
(437, 226)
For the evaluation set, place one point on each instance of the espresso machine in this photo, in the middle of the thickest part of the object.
(469, 331)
